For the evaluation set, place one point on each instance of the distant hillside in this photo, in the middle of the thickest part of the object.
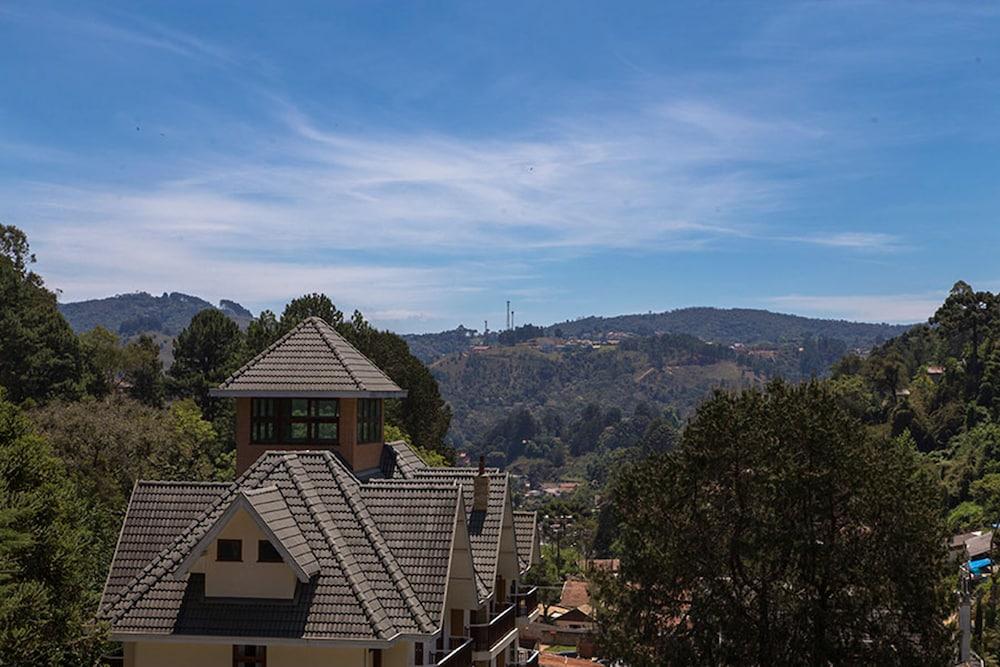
(717, 325)
(140, 312)
(667, 371)
(736, 325)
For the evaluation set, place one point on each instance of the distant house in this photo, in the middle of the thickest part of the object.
(601, 565)
(332, 547)
(559, 488)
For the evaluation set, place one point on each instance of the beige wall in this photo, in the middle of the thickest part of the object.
(177, 654)
(249, 578)
(360, 456)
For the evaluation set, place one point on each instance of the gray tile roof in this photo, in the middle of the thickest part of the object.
(268, 508)
(484, 527)
(382, 553)
(525, 530)
(376, 553)
(310, 360)
(404, 461)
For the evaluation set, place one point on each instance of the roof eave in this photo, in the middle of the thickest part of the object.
(221, 392)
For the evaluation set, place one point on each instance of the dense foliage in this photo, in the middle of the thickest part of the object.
(39, 355)
(780, 531)
(49, 559)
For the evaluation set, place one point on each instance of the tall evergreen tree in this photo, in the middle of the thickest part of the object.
(205, 354)
(144, 371)
(39, 354)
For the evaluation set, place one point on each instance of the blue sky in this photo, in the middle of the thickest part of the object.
(424, 162)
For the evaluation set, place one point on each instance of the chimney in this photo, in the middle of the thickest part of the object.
(481, 488)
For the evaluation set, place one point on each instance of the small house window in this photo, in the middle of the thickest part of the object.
(418, 653)
(295, 421)
(266, 553)
(369, 420)
(248, 655)
(263, 420)
(229, 550)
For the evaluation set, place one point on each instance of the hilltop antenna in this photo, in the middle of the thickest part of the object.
(508, 314)
(486, 327)
(512, 319)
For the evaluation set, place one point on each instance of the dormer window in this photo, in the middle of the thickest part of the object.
(266, 553)
(295, 421)
(369, 420)
(229, 551)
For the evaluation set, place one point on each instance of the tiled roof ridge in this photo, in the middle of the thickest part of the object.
(156, 569)
(374, 535)
(325, 328)
(359, 583)
(263, 353)
(324, 334)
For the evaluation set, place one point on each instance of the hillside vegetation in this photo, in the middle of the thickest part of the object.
(718, 325)
(141, 312)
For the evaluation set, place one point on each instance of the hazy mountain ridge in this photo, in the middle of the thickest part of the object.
(141, 312)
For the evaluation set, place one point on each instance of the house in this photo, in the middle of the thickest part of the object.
(332, 547)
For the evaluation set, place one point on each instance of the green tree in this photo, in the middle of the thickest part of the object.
(39, 354)
(205, 354)
(103, 361)
(780, 531)
(309, 305)
(48, 562)
(261, 332)
(964, 320)
(144, 371)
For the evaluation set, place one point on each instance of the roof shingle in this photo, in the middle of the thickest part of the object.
(310, 360)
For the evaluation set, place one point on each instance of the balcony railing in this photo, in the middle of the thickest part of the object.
(459, 656)
(486, 635)
(525, 657)
(526, 601)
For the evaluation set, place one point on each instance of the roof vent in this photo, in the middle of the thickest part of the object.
(481, 488)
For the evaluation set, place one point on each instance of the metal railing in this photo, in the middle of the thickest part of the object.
(486, 635)
(526, 601)
(460, 654)
(525, 657)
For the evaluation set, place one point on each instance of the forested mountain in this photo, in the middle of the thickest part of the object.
(734, 325)
(141, 312)
(724, 326)
(555, 384)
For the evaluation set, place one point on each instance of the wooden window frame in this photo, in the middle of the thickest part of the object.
(282, 421)
(369, 420)
(274, 557)
(239, 550)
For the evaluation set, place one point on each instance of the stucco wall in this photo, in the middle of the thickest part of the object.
(176, 654)
(249, 578)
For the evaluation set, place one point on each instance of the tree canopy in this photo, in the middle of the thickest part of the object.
(780, 531)
(49, 562)
(39, 355)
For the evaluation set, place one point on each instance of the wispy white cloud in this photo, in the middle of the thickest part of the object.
(319, 207)
(121, 30)
(865, 241)
(892, 308)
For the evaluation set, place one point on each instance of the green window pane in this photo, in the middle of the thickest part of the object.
(299, 432)
(326, 431)
(326, 408)
(300, 407)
